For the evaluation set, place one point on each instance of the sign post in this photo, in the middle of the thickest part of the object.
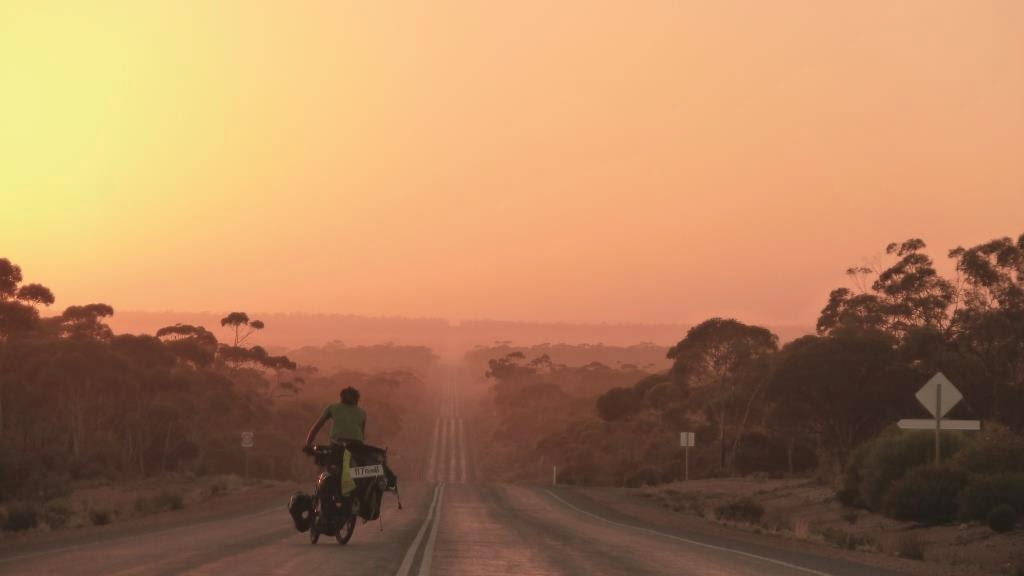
(247, 444)
(939, 395)
(686, 441)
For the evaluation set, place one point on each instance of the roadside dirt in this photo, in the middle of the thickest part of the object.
(114, 510)
(805, 514)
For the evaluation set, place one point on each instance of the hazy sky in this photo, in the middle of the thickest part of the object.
(576, 161)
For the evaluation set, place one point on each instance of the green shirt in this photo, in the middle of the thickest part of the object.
(349, 421)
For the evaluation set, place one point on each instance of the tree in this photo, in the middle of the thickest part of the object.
(908, 294)
(989, 327)
(843, 388)
(993, 273)
(716, 355)
(18, 314)
(86, 321)
(236, 320)
(512, 372)
(618, 403)
(192, 344)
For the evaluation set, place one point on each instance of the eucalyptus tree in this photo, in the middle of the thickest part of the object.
(840, 389)
(719, 356)
(194, 345)
(243, 327)
(989, 326)
(18, 314)
(907, 295)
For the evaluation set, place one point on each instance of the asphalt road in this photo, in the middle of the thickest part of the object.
(450, 526)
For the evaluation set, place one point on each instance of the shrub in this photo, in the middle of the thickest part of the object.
(143, 505)
(888, 457)
(777, 523)
(847, 540)
(646, 476)
(56, 514)
(996, 451)
(218, 488)
(910, 546)
(984, 493)
(740, 510)
(48, 487)
(926, 494)
(169, 500)
(164, 500)
(1002, 518)
(99, 516)
(21, 516)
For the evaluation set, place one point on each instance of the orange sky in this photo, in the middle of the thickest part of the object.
(574, 161)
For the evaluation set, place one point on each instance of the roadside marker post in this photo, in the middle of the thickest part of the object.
(247, 444)
(686, 441)
(939, 395)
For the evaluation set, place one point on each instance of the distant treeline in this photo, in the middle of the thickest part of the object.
(78, 401)
(644, 356)
(335, 356)
(450, 341)
(756, 406)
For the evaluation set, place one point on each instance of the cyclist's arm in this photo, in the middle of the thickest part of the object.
(316, 428)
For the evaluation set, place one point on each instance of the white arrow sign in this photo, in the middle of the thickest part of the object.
(938, 395)
(924, 424)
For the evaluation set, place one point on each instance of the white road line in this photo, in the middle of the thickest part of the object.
(691, 542)
(462, 450)
(452, 456)
(428, 552)
(410, 554)
(432, 463)
(441, 462)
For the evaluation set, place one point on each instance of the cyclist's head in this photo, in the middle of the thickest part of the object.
(350, 396)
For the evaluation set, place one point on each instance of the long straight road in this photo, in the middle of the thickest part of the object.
(450, 526)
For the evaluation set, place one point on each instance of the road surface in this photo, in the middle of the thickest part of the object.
(450, 526)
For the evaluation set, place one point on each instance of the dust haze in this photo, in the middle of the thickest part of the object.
(574, 288)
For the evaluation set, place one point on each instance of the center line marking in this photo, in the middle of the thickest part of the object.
(410, 554)
(428, 552)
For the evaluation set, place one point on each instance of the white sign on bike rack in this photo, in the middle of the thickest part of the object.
(358, 472)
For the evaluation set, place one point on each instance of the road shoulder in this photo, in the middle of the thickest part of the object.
(619, 506)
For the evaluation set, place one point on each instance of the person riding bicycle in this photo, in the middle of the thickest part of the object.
(348, 427)
(349, 420)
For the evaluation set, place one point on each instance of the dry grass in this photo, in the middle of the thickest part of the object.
(99, 504)
(807, 510)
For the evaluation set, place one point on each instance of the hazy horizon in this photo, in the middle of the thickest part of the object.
(449, 340)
